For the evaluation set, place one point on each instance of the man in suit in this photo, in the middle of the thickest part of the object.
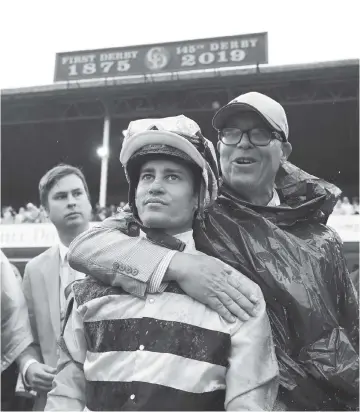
(65, 196)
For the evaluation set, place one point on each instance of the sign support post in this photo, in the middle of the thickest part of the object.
(105, 159)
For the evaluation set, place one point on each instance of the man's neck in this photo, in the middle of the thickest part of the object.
(256, 197)
(260, 199)
(66, 237)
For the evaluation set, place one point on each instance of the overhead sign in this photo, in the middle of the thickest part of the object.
(163, 58)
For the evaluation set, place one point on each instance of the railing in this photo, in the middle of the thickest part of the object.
(44, 234)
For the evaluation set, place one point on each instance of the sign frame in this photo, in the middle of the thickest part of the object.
(190, 55)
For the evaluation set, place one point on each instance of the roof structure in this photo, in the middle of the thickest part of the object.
(63, 122)
(195, 91)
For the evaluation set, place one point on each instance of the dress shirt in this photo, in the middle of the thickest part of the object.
(67, 276)
(275, 200)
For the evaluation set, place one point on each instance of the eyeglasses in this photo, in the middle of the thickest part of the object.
(257, 137)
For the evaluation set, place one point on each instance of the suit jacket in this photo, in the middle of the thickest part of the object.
(41, 286)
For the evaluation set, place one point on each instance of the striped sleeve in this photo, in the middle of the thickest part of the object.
(156, 285)
(116, 259)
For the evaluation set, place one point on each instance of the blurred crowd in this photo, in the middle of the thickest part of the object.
(345, 207)
(33, 214)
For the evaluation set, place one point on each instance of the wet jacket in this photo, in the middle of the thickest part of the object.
(298, 262)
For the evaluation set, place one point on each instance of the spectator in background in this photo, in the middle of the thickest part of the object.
(43, 217)
(20, 217)
(355, 203)
(31, 214)
(102, 214)
(112, 211)
(7, 215)
(347, 207)
(96, 213)
(338, 210)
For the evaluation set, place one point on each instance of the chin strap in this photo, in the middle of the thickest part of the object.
(159, 237)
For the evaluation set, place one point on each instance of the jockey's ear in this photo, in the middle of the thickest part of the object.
(286, 149)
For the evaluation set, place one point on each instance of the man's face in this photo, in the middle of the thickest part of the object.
(165, 196)
(68, 203)
(261, 162)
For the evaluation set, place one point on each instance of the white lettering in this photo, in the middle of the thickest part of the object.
(89, 68)
(244, 44)
(237, 55)
(118, 56)
(253, 42)
(222, 58)
(111, 56)
(188, 60)
(224, 45)
(106, 66)
(214, 46)
(181, 50)
(72, 70)
(123, 66)
(206, 58)
(104, 57)
(130, 54)
(88, 58)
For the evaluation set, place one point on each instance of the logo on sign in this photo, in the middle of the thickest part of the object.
(157, 58)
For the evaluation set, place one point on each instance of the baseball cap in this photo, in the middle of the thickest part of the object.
(270, 111)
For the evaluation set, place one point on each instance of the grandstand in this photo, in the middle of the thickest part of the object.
(63, 122)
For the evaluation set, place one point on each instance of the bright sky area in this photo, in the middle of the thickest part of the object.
(32, 32)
